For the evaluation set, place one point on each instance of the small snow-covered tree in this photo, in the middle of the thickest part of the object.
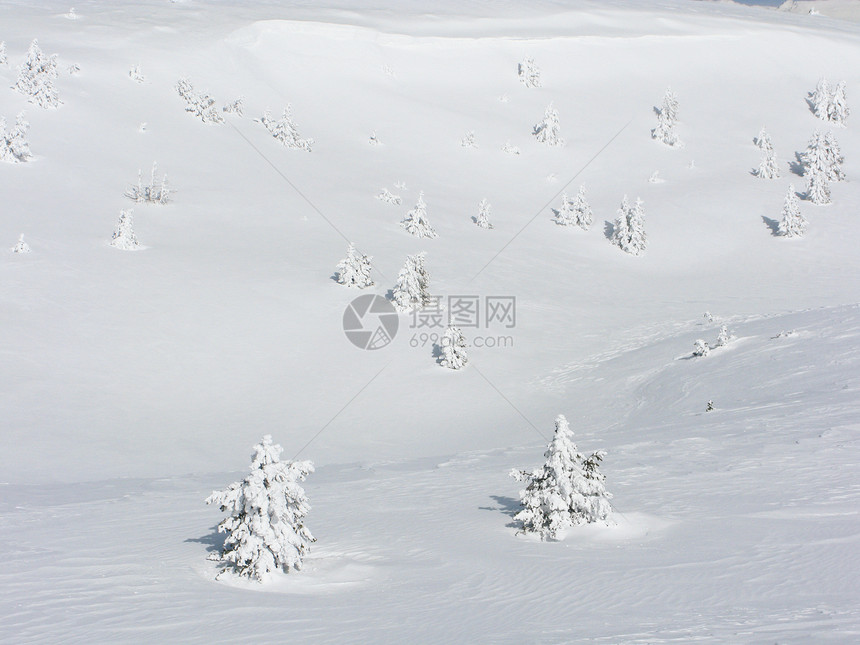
(483, 217)
(832, 158)
(36, 77)
(723, 337)
(412, 290)
(762, 141)
(199, 104)
(454, 349)
(667, 117)
(156, 192)
(568, 490)
(510, 149)
(819, 98)
(14, 147)
(415, 222)
(354, 269)
(529, 73)
(768, 168)
(468, 141)
(564, 215)
(236, 107)
(792, 224)
(4, 60)
(388, 197)
(21, 246)
(837, 108)
(286, 131)
(628, 233)
(548, 130)
(265, 529)
(135, 74)
(701, 348)
(582, 215)
(124, 237)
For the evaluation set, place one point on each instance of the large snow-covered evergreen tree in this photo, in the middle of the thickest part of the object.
(792, 223)
(14, 147)
(453, 347)
(3, 59)
(124, 237)
(354, 269)
(667, 117)
(412, 290)
(564, 215)
(265, 528)
(415, 222)
(763, 141)
(768, 168)
(548, 130)
(567, 491)
(36, 77)
(817, 168)
(286, 131)
(628, 233)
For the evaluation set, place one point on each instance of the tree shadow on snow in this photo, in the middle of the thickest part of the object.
(772, 224)
(214, 541)
(507, 505)
(608, 230)
(437, 353)
(796, 166)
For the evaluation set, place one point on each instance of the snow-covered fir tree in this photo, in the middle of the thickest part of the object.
(582, 215)
(21, 246)
(483, 217)
(819, 98)
(818, 188)
(124, 237)
(568, 490)
(723, 337)
(628, 233)
(762, 141)
(265, 529)
(768, 168)
(412, 290)
(833, 159)
(564, 215)
(453, 346)
(200, 104)
(415, 222)
(4, 60)
(14, 147)
(388, 197)
(548, 130)
(701, 348)
(792, 223)
(286, 131)
(36, 77)
(354, 270)
(816, 169)
(529, 73)
(667, 117)
(135, 74)
(837, 108)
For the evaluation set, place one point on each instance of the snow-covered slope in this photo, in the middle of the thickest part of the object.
(126, 377)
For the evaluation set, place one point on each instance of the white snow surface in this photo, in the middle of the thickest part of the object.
(132, 385)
